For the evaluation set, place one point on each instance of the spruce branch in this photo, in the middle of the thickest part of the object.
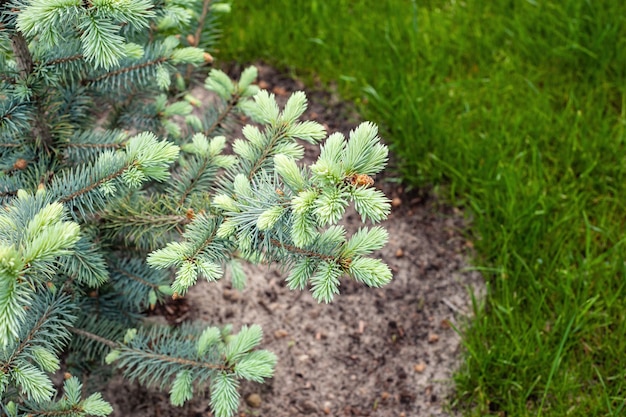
(86, 187)
(147, 219)
(235, 95)
(225, 112)
(142, 287)
(43, 335)
(144, 222)
(24, 61)
(266, 152)
(125, 70)
(84, 146)
(16, 117)
(65, 60)
(70, 404)
(200, 253)
(201, 19)
(142, 355)
(22, 54)
(93, 185)
(28, 255)
(86, 265)
(98, 317)
(202, 168)
(96, 145)
(135, 278)
(49, 311)
(202, 356)
(304, 252)
(92, 336)
(195, 41)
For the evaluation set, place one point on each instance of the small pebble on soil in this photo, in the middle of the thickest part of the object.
(254, 400)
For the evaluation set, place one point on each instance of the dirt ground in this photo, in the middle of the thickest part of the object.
(372, 352)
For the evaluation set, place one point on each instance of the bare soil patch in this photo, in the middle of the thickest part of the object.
(372, 352)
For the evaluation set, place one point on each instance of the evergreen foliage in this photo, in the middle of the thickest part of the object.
(97, 213)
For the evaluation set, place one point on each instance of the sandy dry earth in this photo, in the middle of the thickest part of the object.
(372, 352)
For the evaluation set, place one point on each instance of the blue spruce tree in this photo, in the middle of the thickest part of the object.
(109, 206)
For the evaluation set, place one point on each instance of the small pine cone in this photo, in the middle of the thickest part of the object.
(360, 180)
(20, 164)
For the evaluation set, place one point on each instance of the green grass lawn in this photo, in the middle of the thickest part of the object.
(515, 111)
